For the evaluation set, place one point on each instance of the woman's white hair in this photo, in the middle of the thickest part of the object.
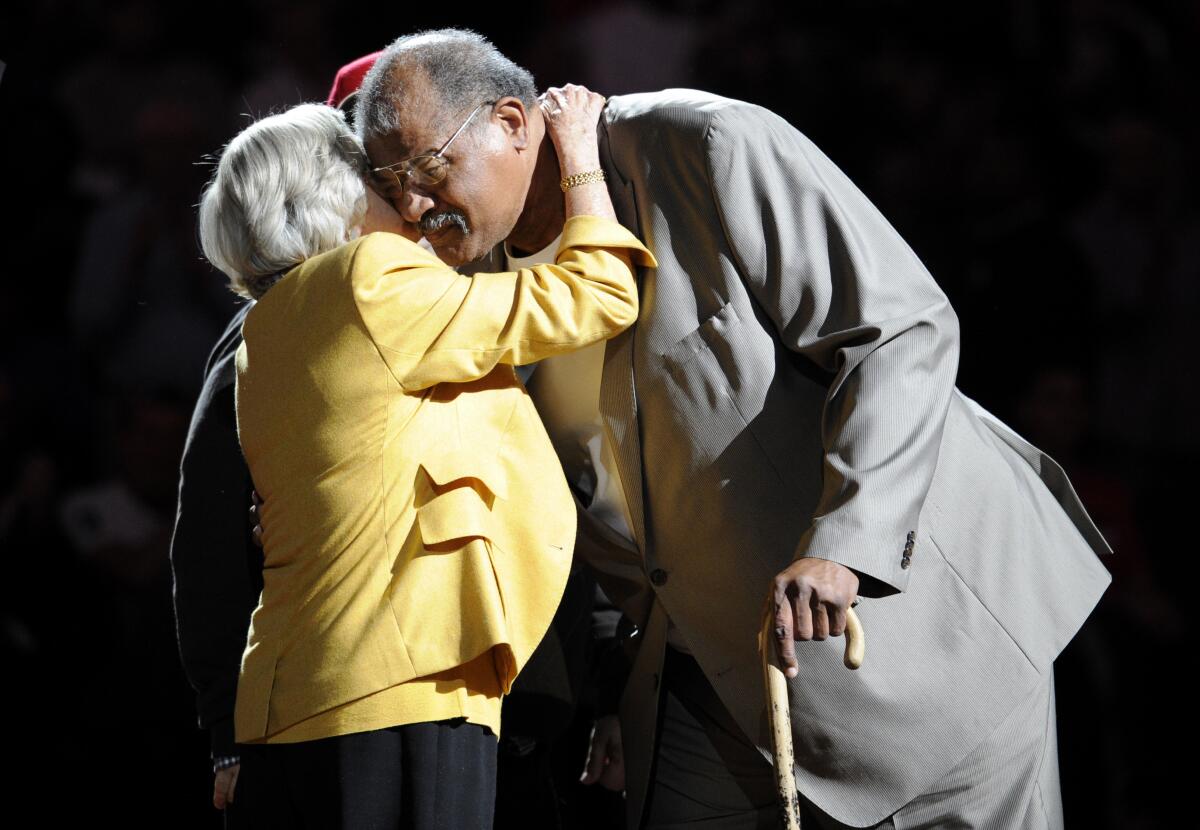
(288, 187)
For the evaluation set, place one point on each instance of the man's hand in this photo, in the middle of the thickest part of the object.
(809, 601)
(224, 784)
(606, 761)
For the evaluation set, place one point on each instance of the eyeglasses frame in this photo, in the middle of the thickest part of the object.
(407, 169)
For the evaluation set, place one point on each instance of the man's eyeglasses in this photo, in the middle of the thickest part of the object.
(427, 169)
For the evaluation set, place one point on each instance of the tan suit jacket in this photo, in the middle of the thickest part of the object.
(789, 390)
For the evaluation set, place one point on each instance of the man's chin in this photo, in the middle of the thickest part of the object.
(455, 249)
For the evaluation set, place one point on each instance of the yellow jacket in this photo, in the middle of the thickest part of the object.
(415, 515)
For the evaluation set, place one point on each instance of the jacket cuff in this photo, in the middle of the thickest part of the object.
(221, 736)
(884, 555)
(596, 232)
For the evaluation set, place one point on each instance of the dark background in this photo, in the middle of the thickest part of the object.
(1039, 157)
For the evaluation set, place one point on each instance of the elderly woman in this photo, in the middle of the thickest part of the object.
(417, 528)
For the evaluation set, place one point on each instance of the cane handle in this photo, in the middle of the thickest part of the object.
(856, 641)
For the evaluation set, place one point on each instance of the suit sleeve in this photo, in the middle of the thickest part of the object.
(215, 565)
(433, 325)
(844, 291)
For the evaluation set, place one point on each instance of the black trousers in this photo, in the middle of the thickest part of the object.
(418, 777)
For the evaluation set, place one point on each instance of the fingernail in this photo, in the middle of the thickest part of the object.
(792, 672)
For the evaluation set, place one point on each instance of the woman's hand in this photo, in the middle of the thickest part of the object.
(606, 759)
(571, 114)
(224, 784)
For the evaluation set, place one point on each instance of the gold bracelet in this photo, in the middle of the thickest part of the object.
(581, 178)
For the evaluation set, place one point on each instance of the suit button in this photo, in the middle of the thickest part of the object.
(659, 577)
(905, 563)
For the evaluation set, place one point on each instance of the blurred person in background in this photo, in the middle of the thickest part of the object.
(145, 308)
(1141, 235)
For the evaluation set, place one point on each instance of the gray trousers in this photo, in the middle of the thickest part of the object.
(707, 774)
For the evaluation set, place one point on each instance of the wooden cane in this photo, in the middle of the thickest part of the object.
(780, 713)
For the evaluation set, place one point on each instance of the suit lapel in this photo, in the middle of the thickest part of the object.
(618, 408)
(618, 396)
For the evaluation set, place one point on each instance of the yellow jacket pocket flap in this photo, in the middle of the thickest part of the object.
(456, 514)
(453, 465)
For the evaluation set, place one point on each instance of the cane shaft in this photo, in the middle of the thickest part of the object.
(780, 717)
(779, 712)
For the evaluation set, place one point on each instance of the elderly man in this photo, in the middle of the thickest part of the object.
(782, 422)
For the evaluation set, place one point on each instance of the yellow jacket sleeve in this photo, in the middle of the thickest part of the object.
(433, 325)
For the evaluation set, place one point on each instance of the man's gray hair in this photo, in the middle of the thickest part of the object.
(288, 187)
(463, 68)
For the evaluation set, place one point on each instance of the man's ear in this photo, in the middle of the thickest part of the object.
(514, 119)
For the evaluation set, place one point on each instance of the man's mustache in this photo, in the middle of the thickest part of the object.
(432, 221)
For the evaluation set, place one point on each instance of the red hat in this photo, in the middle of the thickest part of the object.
(349, 79)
